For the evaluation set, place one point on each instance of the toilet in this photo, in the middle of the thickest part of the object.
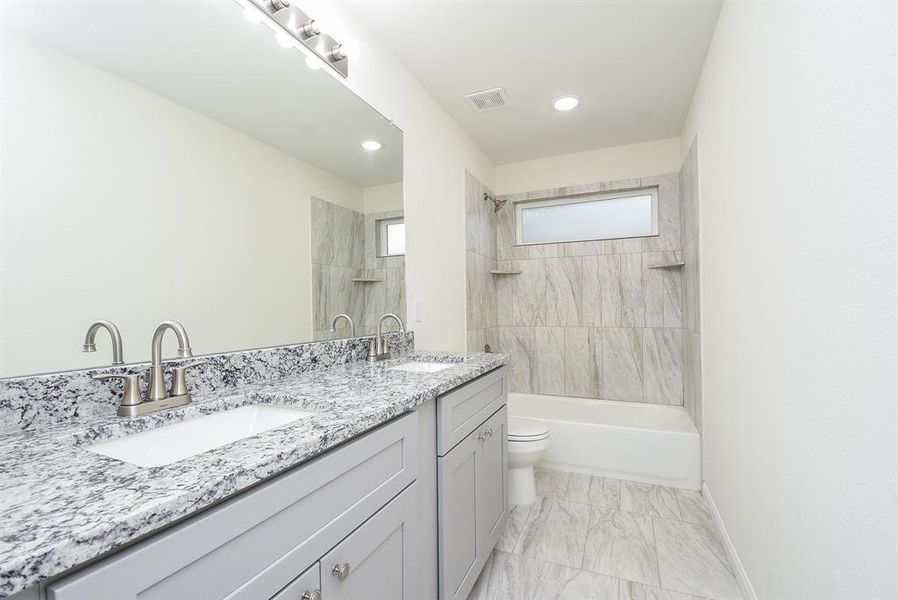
(527, 443)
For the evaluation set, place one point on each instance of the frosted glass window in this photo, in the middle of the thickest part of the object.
(592, 217)
(391, 237)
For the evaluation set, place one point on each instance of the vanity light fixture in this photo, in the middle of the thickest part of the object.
(294, 28)
(372, 145)
(565, 103)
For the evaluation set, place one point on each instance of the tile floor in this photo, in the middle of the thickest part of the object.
(589, 538)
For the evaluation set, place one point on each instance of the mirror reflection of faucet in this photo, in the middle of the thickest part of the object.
(157, 396)
(343, 316)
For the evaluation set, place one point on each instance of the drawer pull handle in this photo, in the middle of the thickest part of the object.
(313, 595)
(341, 572)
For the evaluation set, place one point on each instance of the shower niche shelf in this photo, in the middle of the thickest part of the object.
(366, 280)
(670, 265)
(504, 272)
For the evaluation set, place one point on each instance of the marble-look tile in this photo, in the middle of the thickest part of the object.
(623, 246)
(602, 291)
(689, 199)
(517, 517)
(564, 297)
(506, 236)
(598, 491)
(630, 590)
(648, 499)
(692, 560)
(668, 237)
(652, 290)
(663, 365)
(694, 507)
(672, 284)
(632, 297)
(691, 287)
(622, 364)
(518, 341)
(588, 248)
(480, 220)
(692, 377)
(522, 298)
(548, 360)
(555, 531)
(322, 227)
(394, 301)
(551, 483)
(480, 291)
(507, 576)
(558, 582)
(582, 362)
(621, 544)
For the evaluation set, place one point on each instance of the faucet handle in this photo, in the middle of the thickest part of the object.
(131, 395)
(179, 381)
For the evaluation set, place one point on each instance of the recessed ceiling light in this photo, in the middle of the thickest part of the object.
(372, 145)
(564, 103)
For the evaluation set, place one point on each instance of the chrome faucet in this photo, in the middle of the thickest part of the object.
(379, 348)
(156, 390)
(157, 397)
(91, 337)
(343, 316)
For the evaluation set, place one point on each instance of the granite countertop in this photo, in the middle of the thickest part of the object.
(61, 505)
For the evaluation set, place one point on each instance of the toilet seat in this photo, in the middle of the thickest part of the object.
(524, 430)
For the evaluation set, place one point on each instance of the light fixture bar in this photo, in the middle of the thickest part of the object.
(305, 31)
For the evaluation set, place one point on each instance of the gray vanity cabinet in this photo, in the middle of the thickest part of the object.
(304, 587)
(473, 483)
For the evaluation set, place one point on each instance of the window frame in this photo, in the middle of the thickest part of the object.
(382, 228)
(520, 205)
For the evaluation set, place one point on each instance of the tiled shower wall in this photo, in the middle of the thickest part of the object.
(692, 371)
(480, 258)
(593, 319)
(344, 248)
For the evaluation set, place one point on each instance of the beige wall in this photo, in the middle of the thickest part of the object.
(796, 118)
(582, 168)
(382, 198)
(119, 204)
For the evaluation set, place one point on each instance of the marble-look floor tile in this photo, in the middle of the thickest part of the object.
(551, 483)
(630, 590)
(507, 577)
(694, 507)
(555, 531)
(597, 491)
(648, 499)
(621, 544)
(692, 560)
(513, 526)
(564, 583)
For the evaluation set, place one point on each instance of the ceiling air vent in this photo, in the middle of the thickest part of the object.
(485, 100)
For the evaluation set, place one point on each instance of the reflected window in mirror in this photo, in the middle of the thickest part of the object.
(391, 237)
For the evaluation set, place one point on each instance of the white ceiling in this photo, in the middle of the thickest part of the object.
(205, 55)
(634, 64)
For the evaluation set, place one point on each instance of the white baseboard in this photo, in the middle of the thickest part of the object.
(748, 591)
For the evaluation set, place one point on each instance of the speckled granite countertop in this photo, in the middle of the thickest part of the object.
(61, 505)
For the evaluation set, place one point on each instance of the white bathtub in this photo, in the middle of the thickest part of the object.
(650, 443)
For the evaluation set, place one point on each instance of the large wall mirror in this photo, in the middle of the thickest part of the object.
(190, 169)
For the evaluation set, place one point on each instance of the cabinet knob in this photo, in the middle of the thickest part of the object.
(489, 432)
(482, 436)
(313, 595)
(341, 571)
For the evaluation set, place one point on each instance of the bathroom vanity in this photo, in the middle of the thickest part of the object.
(394, 488)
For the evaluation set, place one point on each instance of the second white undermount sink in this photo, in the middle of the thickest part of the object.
(421, 367)
(171, 443)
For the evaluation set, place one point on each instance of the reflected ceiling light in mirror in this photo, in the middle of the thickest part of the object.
(372, 145)
(565, 103)
(313, 62)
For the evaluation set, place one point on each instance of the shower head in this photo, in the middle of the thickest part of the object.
(496, 201)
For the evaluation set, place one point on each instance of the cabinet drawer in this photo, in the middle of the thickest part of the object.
(303, 587)
(460, 411)
(254, 544)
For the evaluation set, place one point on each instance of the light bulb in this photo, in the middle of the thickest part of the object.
(372, 145)
(565, 103)
(313, 62)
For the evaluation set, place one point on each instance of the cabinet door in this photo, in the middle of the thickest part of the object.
(376, 561)
(305, 587)
(492, 481)
(457, 485)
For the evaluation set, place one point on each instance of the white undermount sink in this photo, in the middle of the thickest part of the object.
(421, 367)
(171, 443)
